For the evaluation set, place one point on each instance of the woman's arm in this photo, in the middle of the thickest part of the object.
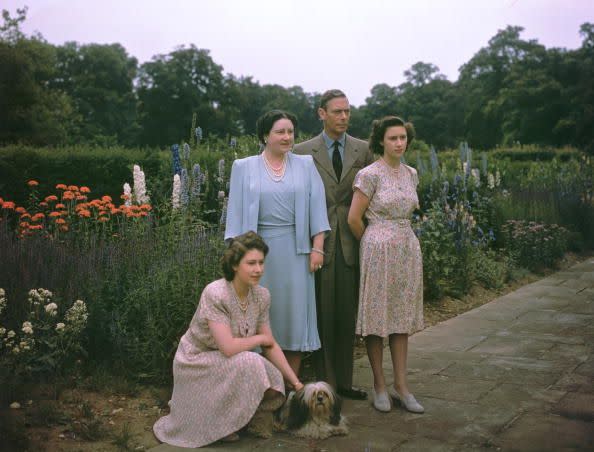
(275, 355)
(316, 257)
(359, 205)
(230, 345)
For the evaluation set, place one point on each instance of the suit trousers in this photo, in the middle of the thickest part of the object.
(337, 296)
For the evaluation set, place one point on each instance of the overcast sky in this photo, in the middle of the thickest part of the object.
(316, 44)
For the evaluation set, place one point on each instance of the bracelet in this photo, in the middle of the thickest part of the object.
(315, 250)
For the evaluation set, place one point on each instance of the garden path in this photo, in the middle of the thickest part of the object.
(514, 374)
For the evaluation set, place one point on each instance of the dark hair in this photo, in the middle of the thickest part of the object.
(266, 121)
(237, 248)
(378, 130)
(329, 95)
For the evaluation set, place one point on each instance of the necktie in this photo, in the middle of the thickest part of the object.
(337, 161)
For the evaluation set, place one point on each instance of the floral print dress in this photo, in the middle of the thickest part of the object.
(215, 395)
(391, 284)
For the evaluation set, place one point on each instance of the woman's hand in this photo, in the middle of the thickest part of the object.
(316, 260)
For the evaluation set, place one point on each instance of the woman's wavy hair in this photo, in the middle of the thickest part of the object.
(237, 248)
(378, 131)
(266, 121)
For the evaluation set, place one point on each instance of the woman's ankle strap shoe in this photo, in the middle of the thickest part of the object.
(408, 402)
(381, 401)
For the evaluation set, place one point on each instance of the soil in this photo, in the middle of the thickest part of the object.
(121, 416)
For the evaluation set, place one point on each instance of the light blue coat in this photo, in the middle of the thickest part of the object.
(311, 216)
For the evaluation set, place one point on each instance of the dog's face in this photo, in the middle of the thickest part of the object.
(315, 401)
(320, 399)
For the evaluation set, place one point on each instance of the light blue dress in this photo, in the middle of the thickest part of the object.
(286, 275)
(287, 214)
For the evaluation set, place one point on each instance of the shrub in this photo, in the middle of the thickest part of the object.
(534, 245)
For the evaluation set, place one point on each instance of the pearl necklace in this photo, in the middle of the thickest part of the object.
(243, 305)
(276, 174)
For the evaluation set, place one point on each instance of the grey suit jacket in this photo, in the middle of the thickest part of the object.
(339, 194)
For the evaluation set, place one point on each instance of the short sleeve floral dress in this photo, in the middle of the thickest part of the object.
(391, 283)
(214, 395)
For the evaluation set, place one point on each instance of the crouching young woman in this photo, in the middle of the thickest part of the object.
(219, 384)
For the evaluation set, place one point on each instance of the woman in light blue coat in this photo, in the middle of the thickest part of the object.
(281, 196)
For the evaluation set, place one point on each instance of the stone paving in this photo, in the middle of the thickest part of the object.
(516, 374)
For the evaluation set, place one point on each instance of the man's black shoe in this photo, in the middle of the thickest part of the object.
(352, 393)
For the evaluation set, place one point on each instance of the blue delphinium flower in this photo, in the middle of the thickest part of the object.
(176, 159)
(233, 142)
(184, 197)
(186, 151)
(199, 178)
(198, 133)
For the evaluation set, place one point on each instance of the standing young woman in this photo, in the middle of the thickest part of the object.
(281, 196)
(219, 384)
(391, 284)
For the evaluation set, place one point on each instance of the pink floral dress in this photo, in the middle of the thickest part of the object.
(391, 284)
(214, 395)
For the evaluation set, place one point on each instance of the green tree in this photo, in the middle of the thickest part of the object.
(99, 80)
(30, 111)
(174, 86)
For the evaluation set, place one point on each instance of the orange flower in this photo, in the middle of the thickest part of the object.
(36, 227)
(8, 205)
(60, 221)
(84, 189)
(24, 225)
(81, 197)
(72, 188)
(60, 206)
(20, 210)
(103, 219)
(124, 197)
(64, 228)
(61, 187)
(146, 207)
(54, 214)
(43, 204)
(38, 216)
(84, 213)
(1, 201)
(114, 211)
(142, 214)
(106, 198)
(32, 183)
(68, 195)
(103, 212)
(51, 198)
(25, 215)
(95, 203)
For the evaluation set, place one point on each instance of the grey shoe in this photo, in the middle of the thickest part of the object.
(381, 401)
(408, 402)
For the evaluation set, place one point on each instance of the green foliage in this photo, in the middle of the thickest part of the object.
(534, 245)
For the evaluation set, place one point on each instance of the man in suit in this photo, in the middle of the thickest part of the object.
(338, 157)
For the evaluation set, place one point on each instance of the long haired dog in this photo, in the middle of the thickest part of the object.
(312, 412)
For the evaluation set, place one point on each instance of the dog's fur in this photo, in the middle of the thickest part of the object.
(312, 412)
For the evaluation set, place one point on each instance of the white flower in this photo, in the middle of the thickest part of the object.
(51, 309)
(491, 181)
(474, 172)
(2, 293)
(497, 178)
(27, 328)
(2, 331)
(221, 194)
(175, 201)
(127, 194)
(16, 350)
(11, 334)
(60, 326)
(140, 195)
